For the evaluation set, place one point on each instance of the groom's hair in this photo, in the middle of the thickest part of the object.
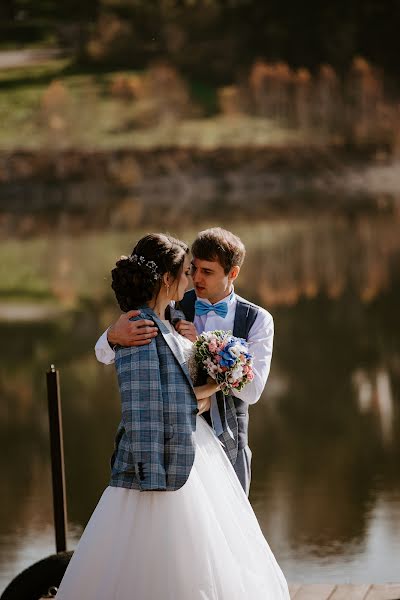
(221, 245)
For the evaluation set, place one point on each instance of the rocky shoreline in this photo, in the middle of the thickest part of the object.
(134, 165)
(125, 188)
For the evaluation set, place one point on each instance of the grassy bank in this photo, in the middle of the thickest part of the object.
(85, 110)
(59, 105)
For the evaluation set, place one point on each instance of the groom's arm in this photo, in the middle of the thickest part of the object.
(260, 340)
(124, 332)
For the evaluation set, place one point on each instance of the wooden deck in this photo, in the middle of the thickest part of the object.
(344, 592)
(326, 591)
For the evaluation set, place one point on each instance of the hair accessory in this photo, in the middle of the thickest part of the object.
(150, 265)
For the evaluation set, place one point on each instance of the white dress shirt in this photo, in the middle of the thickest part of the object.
(260, 340)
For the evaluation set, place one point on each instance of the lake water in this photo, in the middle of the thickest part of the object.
(325, 434)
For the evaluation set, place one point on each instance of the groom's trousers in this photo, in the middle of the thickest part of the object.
(242, 465)
(242, 468)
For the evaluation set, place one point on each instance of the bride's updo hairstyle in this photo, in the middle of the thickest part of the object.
(138, 278)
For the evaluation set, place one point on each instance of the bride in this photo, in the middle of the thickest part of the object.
(174, 523)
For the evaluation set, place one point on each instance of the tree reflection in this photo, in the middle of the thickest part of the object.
(329, 459)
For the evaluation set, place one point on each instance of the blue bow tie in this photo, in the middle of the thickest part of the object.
(203, 308)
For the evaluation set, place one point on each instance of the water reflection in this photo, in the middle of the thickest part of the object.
(329, 256)
(325, 436)
(287, 259)
(323, 463)
(374, 394)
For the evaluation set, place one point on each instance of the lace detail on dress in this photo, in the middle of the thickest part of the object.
(187, 350)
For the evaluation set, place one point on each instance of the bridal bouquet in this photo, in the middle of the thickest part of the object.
(225, 358)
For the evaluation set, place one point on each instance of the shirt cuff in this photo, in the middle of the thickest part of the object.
(249, 394)
(104, 353)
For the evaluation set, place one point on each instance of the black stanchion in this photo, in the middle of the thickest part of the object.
(57, 459)
(42, 579)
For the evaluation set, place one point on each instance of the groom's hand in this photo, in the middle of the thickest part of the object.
(131, 333)
(187, 329)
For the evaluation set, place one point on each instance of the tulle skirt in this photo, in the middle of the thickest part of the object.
(202, 542)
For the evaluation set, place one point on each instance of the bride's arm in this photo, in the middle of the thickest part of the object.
(203, 394)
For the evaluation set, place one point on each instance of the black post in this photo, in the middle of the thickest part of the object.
(57, 459)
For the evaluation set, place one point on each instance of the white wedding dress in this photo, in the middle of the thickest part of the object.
(202, 542)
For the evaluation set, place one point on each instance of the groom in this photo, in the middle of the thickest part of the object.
(213, 304)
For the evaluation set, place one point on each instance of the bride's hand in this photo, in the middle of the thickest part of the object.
(212, 381)
(203, 405)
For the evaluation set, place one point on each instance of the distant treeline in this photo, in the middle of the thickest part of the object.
(212, 39)
(353, 110)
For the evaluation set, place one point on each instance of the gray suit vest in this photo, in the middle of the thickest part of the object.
(245, 316)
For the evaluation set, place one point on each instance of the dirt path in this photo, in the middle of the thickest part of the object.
(20, 58)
